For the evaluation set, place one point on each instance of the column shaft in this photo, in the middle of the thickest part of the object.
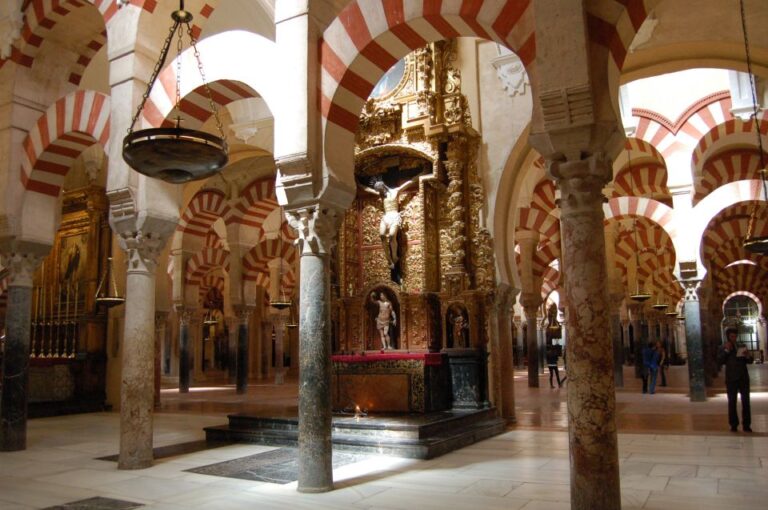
(591, 391)
(618, 350)
(315, 471)
(698, 390)
(243, 355)
(506, 363)
(184, 365)
(532, 341)
(136, 390)
(13, 400)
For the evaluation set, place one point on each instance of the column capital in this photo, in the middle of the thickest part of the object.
(184, 313)
(243, 312)
(581, 182)
(691, 288)
(160, 319)
(21, 267)
(317, 227)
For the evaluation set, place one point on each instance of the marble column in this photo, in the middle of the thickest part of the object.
(15, 370)
(136, 390)
(625, 339)
(160, 320)
(316, 226)
(185, 315)
(594, 452)
(243, 348)
(530, 308)
(698, 390)
(519, 340)
(506, 359)
(541, 335)
(618, 348)
(635, 315)
(278, 322)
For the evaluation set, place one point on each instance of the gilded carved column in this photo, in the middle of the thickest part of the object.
(136, 391)
(698, 391)
(21, 267)
(317, 227)
(591, 391)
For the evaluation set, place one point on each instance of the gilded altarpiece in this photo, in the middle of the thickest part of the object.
(415, 142)
(68, 330)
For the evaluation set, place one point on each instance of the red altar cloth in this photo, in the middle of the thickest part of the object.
(429, 358)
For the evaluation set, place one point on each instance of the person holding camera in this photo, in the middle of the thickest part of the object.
(735, 357)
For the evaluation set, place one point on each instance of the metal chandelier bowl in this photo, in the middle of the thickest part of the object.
(176, 155)
(757, 245)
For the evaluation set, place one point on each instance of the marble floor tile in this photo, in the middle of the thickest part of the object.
(674, 470)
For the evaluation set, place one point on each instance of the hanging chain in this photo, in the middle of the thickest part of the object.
(155, 73)
(756, 121)
(208, 92)
(179, 49)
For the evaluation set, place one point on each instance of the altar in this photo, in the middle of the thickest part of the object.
(391, 382)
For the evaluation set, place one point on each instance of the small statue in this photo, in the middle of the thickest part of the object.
(385, 318)
(459, 328)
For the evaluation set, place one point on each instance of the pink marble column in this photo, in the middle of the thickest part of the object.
(594, 451)
(504, 317)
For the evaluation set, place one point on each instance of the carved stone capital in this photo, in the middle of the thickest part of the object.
(316, 226)
(691, 288)
(21, 267)
(142, 250)
(581, 183)
(243, 313)
(160, 319)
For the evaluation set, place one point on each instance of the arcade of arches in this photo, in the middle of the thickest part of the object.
(463, 181)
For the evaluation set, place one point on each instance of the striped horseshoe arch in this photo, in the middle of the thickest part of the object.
(70, 126)
(203, 210)
(370, 36)
(256, 268)
(203, 261)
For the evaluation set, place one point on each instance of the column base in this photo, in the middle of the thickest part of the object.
(314, 490)
(134, 464)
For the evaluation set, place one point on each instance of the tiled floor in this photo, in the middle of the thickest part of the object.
(685, 458)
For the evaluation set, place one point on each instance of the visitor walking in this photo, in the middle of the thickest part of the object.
(650, 368)
(735, 357)
(553, 369)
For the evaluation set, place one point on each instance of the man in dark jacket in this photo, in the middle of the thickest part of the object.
(650, 368)
(735, 358)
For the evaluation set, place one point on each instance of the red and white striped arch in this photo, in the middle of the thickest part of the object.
(42, 16)
(257, 201)
(544, 196)
(68, 127)
(637, 145)
(729, 166)
(644, 207)
(741, 277)
(545, 224)
(543, 257)
(750, 295)
(203, 261)
(195, 105)
(649, 178)
(256, 262)
(203, 210)
(212, 280)
(733, 132)
(369, 36)
(692, 125)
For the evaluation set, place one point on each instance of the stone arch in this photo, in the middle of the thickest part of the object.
(203, 210)
(731, 132)
(203, 261)
(368, 37)
(257, 201)
(713, 204)
(68, 127)
(648, 208)
(544, 196)
(227, 83)
(727, 166)
(255, 263)
(685, 132)
(750, 295)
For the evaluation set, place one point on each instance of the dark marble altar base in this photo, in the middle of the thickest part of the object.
(276, 466)
(419, 436)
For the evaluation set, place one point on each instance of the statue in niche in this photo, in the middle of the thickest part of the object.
(458, 328)
(388, 186)
(385, 318)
